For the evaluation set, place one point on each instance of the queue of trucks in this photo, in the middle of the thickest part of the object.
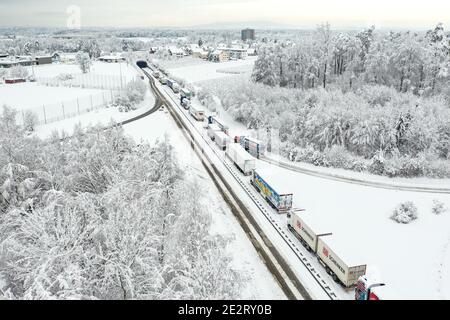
(311, 232)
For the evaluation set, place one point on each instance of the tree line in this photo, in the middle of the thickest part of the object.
(408, 61)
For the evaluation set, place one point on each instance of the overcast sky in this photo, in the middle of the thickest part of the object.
(416, 14)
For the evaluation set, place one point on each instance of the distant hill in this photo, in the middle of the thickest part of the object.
(243, 25)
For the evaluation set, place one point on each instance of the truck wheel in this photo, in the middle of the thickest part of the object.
(335, 278)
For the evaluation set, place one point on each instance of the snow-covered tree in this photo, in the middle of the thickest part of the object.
(18, 72)
(84, 61)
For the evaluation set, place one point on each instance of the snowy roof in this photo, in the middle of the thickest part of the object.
(216, 52)
(349, 248)
(111, 57)
(271, 177)
(196, 107)
(175, 50)
(241, 151)
(315, 221)
(234, 49)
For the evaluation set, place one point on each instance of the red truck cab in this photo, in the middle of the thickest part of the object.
(366, 289)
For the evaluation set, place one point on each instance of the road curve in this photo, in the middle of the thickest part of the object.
(362, 182)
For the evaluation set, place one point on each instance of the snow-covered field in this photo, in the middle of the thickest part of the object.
(260, 283)
(31, 95)
(98, 68)
(204, 71)
(51, 103)
(100, 116)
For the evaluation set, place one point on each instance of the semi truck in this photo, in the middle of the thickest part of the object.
(368, 289)
(253, 146)
(211, 130)
(276, 196)
(172, 84)
(221, 139)
(241, 158)
(308, 228)
(184, 103)
(197, 113)
(185, 93)
(216, 120)
(343, 268)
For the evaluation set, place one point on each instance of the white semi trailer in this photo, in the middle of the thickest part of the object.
(221, 139)
(344, 268)
(241, 158)
(212, 128)
(314, 234)
(197, 113)
(308, 228)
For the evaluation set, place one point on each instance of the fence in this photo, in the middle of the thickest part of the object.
(68, 108)
(91, 81)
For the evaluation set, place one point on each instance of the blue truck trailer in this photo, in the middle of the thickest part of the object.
(277, 197)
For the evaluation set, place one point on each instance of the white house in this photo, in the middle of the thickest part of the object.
(177, 52)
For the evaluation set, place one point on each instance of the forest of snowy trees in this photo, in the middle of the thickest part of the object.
(97, 216)
(369, 101)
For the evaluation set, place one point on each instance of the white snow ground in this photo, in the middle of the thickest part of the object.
(31, 95)
(98, 68)
(211, 70)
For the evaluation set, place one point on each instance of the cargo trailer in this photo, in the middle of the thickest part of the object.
(184, 103)
(241, 158)
(343, 265)
(308, 228)
(266, 183)
(221, 139)
(216, 120)
(212, 129)
(253, 146)
(172, 84)
(197, 113)
(185, 93)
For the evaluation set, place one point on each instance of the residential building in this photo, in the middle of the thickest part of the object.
(177, 52)
(219, 56)
(235, 53)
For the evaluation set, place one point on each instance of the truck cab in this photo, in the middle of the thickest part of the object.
(367, 290)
